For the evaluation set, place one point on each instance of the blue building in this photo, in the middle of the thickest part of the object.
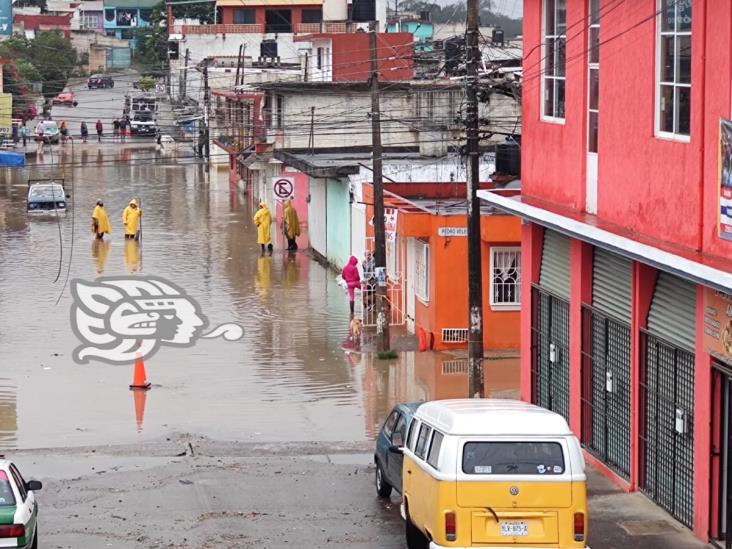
(122, 17)
(420, 28)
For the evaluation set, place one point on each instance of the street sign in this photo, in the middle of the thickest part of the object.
(452, 231)
(283, 188)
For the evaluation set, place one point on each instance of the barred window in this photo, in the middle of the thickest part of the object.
(505, 285)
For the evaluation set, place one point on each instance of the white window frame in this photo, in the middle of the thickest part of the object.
(663, 134)
(422, 283)
(544, 77)
(501, 306)
(592, 66)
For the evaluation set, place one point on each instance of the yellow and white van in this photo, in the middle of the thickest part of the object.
(492, 473)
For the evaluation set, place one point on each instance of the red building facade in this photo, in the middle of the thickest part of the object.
(626, 272)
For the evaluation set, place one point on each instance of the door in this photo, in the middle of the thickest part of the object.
(396, 460)
(721, 462)
(410, 279)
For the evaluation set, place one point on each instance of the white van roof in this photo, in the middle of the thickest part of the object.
(491, 416)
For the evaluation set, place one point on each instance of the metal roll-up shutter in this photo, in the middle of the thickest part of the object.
(554, 273)
(611, 284)
(673, 311)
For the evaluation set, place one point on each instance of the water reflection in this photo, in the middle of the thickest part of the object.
(8, 414)
(100, 252)
(132, 256)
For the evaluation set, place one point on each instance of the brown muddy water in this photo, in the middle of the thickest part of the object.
(287, 379)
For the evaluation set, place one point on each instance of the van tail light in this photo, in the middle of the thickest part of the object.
(450, 526)
(579, 527)
(12, 531)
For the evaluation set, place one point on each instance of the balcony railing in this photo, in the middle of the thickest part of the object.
(307, 28)
(220, 29)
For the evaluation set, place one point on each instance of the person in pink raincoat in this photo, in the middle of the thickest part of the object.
(352, 279)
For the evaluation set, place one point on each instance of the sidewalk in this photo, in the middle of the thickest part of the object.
(620, 520)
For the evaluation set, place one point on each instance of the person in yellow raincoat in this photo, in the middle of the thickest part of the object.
(263, 220)
(100, 221)
(131, 219)
(290, 225)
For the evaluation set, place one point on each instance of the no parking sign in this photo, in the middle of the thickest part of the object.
(283, 188)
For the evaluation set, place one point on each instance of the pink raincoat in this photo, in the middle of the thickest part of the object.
(351, 276)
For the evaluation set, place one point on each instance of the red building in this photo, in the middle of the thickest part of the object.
(339, 57)
(45, 22)
(626, 325)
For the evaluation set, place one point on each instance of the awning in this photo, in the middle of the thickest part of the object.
(700, 268)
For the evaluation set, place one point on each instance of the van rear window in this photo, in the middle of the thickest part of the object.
(513, 458)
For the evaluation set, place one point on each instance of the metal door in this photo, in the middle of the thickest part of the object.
(410, 281)
(554, 273)
(550, 351)
(606, 362)
(721, 458)
(667, 428)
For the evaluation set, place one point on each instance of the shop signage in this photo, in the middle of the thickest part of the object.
(718, 323)
(724, 210)
(452, 231)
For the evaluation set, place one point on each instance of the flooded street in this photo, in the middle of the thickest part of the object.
(287, 379)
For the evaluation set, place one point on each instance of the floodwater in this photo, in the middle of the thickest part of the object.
(287, 379)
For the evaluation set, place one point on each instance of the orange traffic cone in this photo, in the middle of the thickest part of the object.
(139, 379)
(140, 398)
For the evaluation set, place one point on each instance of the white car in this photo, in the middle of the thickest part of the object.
(18, 508)
(46, 198)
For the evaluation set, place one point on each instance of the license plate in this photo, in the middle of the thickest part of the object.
(514, 529)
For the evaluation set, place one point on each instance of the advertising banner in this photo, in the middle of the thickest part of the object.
(6, 115)
(718, 323)
(725, 179)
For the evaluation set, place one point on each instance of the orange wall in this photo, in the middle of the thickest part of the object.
(448, 305)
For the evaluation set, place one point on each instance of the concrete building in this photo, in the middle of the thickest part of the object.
(626, 198)
(122, 17)
(419, 26)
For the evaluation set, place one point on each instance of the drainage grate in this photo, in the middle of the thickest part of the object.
(648, 527)
(454, 367)
(454, 335)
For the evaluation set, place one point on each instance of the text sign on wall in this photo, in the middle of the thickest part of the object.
(391, 216)
(6, 17)
(452, 231)
(718, 323)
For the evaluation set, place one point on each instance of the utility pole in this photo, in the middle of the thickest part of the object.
(475, 273)
(206, 108)
(183, 88)
(383, 306)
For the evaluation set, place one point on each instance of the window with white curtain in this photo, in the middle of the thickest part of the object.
(422, 270)
(505, 283)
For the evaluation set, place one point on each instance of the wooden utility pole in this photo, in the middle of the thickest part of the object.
(183, 88)
(206, 108)
(475, 272)
(383, 306)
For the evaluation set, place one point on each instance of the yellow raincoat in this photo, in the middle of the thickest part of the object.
(263, 220)
(131, 218)
(101, 227)
(290, 221)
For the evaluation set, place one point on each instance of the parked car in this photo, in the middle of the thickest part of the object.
(18, 508)
(46, 197)
(66, 97)
(492, 472)
(143, 123)
(51, 133)
(99, 81)
(392, 436)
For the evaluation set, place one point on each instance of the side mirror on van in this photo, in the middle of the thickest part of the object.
(396, 443)
(396, 449)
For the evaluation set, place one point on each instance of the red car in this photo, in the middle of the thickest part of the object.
(66, 97)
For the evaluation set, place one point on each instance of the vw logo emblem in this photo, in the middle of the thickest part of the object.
(514, 490)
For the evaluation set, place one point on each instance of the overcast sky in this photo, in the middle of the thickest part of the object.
(512, 8)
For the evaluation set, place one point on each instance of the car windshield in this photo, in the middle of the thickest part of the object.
(50, 126)
(6, 491)
(46, 191)
(513, 458)
(143, 118)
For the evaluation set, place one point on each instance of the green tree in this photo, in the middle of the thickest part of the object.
(204, 12)
(55, 58)
(151, 54)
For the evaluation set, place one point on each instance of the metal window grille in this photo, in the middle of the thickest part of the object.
(454, 335)
(550, 351)
(667, 426)
(451, 367)
(606, 389)
(505, 276)
(422, 270)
